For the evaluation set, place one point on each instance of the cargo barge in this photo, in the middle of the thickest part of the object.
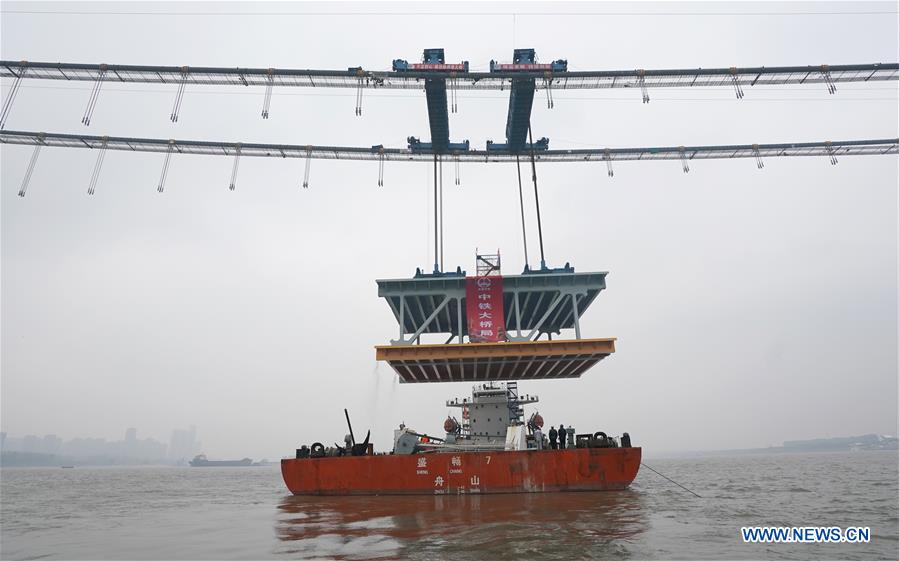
(501, 455)
(201, 461)
(491, 446)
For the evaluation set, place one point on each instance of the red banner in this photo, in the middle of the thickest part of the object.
(435, 66)
(484, 306)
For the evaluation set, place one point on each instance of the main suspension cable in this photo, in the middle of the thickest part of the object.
(536, 196)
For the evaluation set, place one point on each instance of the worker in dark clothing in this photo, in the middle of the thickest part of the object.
(552, 437)
(562, 437)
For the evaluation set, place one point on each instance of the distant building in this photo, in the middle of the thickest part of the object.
(51, 444)
(31, 444)
(183, 445)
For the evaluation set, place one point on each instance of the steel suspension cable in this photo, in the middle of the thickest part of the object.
(524, 235)
(436, 255)
(536, 197)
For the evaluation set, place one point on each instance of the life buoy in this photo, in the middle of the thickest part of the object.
(465, 412)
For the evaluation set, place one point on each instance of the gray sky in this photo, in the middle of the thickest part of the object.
(751, 306)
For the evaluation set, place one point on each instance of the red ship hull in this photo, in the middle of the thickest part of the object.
(530, 471)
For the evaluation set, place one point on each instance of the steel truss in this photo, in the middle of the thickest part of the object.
(535, 304)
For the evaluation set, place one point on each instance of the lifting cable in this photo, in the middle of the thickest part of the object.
(536, 196)
(524, 234)
(441, 214)
(436, 256)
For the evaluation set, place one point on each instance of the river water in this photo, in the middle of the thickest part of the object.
(246, 513)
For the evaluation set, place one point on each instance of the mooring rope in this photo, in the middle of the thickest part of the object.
(669, 479)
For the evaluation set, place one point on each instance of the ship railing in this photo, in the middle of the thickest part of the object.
(462, 447)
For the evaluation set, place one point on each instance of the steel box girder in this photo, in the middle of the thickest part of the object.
(470, 362)
(543, 305)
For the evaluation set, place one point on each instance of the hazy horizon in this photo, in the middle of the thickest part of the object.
(750, 306)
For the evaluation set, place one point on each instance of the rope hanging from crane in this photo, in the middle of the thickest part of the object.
(524, 235)
(536, 197)
(436, 255)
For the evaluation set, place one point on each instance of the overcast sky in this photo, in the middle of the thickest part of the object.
(750, 306)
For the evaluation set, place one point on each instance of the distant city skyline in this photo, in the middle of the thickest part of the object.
(182, 446)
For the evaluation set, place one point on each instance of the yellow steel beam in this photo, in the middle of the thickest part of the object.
(484, 350)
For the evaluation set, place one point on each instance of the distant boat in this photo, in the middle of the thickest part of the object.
(67, 467)
(201, 461)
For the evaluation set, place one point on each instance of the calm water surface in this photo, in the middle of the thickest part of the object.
(246, 513)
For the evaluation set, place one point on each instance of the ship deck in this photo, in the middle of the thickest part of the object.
(472, 362)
